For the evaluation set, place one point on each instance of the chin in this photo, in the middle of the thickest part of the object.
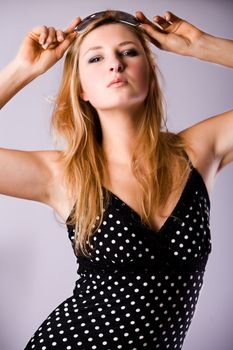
(125, 103)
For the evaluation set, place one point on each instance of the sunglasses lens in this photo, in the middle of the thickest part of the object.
(87, 20)
(119, 16)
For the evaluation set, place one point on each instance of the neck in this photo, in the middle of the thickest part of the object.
(119, 130)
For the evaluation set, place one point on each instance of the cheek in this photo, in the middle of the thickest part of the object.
(92, 92)
(90, 85)
(142, 71)
(145, 72)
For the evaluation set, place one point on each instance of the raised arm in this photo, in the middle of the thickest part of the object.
(174, 34)
(211, 140)
(31, 174)
(40, 50)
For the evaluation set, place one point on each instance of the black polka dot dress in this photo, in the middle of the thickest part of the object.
(140, 288)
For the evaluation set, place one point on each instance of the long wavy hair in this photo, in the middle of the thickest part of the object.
(159, 162)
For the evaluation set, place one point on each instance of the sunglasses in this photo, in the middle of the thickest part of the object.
(118, 16)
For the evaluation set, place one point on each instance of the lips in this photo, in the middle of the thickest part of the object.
(117, 82)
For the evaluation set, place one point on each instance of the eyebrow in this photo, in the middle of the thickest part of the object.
(124, 43)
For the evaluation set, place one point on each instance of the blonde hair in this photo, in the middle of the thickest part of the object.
(77, 122)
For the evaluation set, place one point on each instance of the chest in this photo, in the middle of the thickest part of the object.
(182, 237)
(127, 190)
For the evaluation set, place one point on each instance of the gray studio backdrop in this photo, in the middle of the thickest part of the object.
(37, 265)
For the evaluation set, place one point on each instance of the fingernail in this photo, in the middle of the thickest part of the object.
(45, 46)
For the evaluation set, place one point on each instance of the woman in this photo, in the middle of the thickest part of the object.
(135, 197)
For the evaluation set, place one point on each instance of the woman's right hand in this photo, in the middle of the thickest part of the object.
(44, 46)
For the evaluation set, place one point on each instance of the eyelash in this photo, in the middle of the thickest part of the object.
(130, 52)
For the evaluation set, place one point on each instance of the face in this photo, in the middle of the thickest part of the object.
(113, 68)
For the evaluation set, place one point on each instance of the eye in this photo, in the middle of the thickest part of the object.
(94, 59)
(130, 52)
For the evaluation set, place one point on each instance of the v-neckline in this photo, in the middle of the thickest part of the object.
(176, 207)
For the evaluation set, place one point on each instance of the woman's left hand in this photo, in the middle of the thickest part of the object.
(171, 33)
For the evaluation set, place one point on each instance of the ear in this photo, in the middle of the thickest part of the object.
(84, 96)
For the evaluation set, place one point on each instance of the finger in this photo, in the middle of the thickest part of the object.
(162, 22)
(170, 17)
(155, 35)
(51, 38)
(63, 46)
(142, 18)
(60, 35)
(43, 33)
(145, 22)
(73, 24)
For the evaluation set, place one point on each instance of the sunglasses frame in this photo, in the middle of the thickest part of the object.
(118, 16)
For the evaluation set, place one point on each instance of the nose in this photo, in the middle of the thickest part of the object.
(116, 66)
